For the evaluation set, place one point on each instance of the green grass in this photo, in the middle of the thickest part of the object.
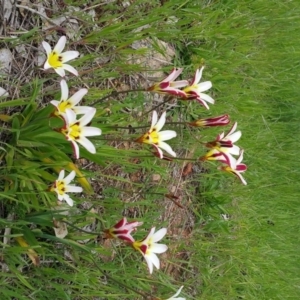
(251, 50)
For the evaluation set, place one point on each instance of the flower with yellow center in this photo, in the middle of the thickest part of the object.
(76, 131)
(61, 187)
(195, 89)
(169, 86)
(148, 247)
(70, 103)
(156, 137)
(237, 169)
(57, 60)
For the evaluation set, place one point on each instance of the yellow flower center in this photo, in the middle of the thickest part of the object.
(150, 137)
(73, 132)
(60, 187)
(62, 106)
(54, 60)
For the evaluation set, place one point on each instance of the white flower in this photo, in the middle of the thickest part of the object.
(177, 293)
(61, 187)
(225, 144)
(169, 86)
(148, 247)
(195, 89)
(56, 59)
(70, 103)
(76, 131)
(156, 137)
(237, 168)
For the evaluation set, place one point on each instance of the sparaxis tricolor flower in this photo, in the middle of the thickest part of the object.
(70, 103)
(149, 248)
(195, 89)
(57, 59)
(76, 131)
(156, 137)
(225, 143)
(210, 122)
(122, 230)
(169, 85)
(217, 155)
(237, 169)
(61, 187)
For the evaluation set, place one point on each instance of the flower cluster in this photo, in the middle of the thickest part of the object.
(75, 129)
(192, 90)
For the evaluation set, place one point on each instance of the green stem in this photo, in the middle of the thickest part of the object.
(115, 94)
(145, 296)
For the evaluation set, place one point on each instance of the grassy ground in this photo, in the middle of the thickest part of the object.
(250, 49)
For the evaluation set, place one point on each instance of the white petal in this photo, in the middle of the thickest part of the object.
(60, 197)
(59, 47)
(173, 75)
(159, 248)
(198, 76)
(232, 129)
(70, 116)
(87, 144)
(55, 103)
(157, 236)
(235, 150)
(177, 293)
(207, 98)
(179, 84)
(87, 118)
(81, 110)
(75, 99)
(91, 131)
(167, 135)
(167, 148)
(202, 102)
(204, 86)
(150, 234)
(47, 65)
(160, 153)
(60, 71)
(61, 175)
(154, 119)
(76, 149)
(161, 122)
(241, 178)
(70, 69)
(73, 189)
(47, 47)
(68, 199)
(154, 259)
(64, 90)
(234, 137)
(69, 55)
(231, 159)
(149, 263)
(241, 157)
(70, 177)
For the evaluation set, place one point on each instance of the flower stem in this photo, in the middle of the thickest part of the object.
(115, 94)
(157, 106)
(145, 296)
